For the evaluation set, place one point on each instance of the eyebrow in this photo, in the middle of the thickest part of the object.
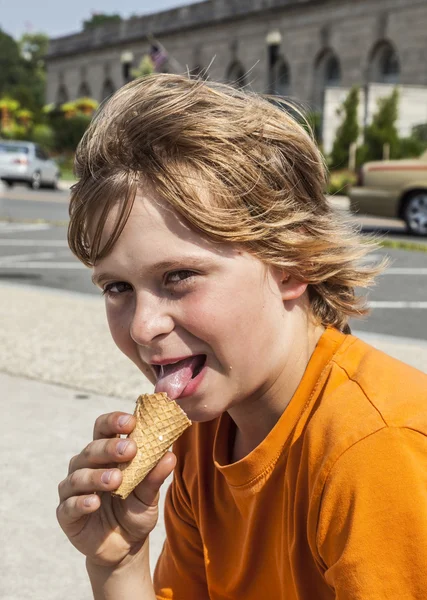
(164, 265)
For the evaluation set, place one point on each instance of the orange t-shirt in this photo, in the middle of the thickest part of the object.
(331, 505)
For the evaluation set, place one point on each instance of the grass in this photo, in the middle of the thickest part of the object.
(404, 245)
(67, 173)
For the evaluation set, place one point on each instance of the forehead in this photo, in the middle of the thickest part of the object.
(154, 229)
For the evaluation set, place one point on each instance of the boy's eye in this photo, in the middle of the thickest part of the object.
(177, 277)
(118, 287)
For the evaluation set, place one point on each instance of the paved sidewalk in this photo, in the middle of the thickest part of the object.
(59, 370)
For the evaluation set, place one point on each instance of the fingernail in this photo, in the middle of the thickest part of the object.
(124, 420)
(89, 501)
(121, 446)
(106, 476)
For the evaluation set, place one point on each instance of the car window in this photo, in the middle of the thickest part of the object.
(40, 154)
(12, 149)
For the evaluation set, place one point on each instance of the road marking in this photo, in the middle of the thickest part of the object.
(17, 258)
(18, 227)
(397, 304)
(406, 271)
(44, 265)
(46, 243)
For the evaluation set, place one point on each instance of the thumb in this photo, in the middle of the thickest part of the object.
(148, 490)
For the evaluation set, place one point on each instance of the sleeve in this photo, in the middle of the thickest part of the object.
(372, 528)
(180, 571)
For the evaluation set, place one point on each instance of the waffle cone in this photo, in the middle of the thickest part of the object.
(159, 422)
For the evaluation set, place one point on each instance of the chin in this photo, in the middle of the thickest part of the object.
(200, 412)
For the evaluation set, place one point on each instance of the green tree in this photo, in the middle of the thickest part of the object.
(382, 130)
(99, 19)
(348, 132)
(33, 49)
(11, 65)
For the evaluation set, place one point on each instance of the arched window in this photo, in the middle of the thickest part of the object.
(84, 91)
(327, 73)
(236, 74)
(332, 72)
(282, 79)
(62, 95)
(198, 72)
(107, 89)
(384, 64)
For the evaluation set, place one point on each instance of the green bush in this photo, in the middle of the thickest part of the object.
(348, 131)
(15, 131)
(66, 165)
(420, 132)
(44, 135)
(69, 131)
(382, 130)
(340, 182)
(410, 147)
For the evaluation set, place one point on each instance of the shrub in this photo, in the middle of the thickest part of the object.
(44, 135)
(348, 132)
(69, 131)
(382, 130)
(341, 181)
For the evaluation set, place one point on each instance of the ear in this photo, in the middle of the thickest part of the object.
(290, 288)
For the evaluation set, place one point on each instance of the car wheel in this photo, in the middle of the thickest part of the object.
(36, 181)
(7, 182)
(415, 213)
(55, 183)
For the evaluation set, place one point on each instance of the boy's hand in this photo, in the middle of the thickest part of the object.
(104, 528)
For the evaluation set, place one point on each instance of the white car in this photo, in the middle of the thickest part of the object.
(26, 162)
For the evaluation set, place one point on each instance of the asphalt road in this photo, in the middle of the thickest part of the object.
(22, 204)
(36, 253)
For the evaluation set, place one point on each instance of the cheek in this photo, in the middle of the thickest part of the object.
(226, 319)
(119, 324)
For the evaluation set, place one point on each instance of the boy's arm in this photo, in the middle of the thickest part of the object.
(130, 582)
(372, 531)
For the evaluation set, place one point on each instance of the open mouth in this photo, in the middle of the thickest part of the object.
(172, 378)
(195, 363)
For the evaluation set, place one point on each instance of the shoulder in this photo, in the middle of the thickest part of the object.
(395, 390)
(367, 389)
(367, 392)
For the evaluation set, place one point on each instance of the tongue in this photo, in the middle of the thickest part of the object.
(174, 378)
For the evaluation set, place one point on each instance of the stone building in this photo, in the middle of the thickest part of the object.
(296, 48)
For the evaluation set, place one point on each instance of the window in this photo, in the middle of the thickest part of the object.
(332, 72)
(62, 95)
(384, 64)
(41, 154)
(236, 74)
(84, 91)
(327, 73)
(282, 83)
(108, 89)
(12, 149)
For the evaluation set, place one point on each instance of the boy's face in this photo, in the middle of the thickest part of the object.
(173, 295)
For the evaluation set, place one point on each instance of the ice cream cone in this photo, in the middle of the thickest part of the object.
(159, 422)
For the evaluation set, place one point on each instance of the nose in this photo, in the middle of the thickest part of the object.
(151, 318)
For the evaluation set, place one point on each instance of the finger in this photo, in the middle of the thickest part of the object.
(111, 424)
(148, 490)
(103, 453)
(72, 513)
(87, 481)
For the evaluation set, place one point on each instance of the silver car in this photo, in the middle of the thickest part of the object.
(27, 162)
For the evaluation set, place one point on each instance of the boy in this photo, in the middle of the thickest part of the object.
(229, 282)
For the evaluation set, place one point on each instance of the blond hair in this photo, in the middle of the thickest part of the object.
(264, 174)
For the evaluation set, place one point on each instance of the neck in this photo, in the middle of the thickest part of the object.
(257, 416)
